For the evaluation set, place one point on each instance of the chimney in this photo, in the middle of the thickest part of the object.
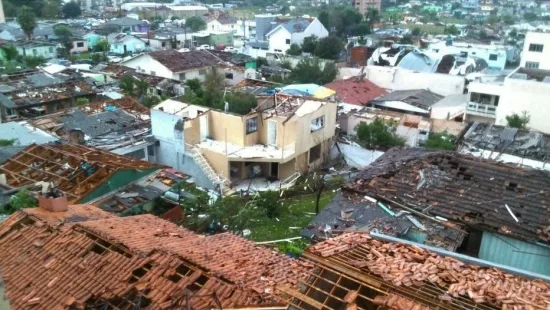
(53, 201)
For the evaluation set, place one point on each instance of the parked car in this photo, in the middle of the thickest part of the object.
(84, 62)
(184, 50)
(204, 47)
(230, 49)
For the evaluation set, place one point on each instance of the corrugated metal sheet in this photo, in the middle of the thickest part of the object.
(515, 253)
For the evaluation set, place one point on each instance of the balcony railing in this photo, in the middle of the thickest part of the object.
(482, 109)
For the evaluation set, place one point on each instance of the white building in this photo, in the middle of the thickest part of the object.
(175, 65)
(224, 24)
(536, 51)
(494, 55)
(294, 31)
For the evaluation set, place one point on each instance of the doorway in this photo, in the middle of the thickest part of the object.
(274, 170)
(203, 123)
(272, 133)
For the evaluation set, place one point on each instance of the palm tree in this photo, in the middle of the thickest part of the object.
(372, 16)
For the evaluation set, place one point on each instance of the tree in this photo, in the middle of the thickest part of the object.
(309, 70)
(416, 32)
(329, 47)
(151, 100)
(240, 102)
(492, 20)
(10, 51)
(27, 20)
(195, 23)
(82, 101)
(372, 16)
(261, 61)
(51, 9)
(309, 44)
(64, 35)
(362, 29)
(22, 200)
(7, 142)
(452, 30)
(378, 135)
(518, 121)
(102, 46)
(71, 10)
(294, 50)
(133, 87)
(440, 141)
(97, 58)
(323, 17)
(195, 86)
(508, 19)
(406, 40)
(33, 61)
(285, 9)
(530, 16)
(214, 85)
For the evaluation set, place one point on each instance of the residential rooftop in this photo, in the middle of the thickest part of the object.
(178, 62)
(358, 91)
(461, 189)
(136, 261)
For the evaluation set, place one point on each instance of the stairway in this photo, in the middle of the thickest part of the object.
(205, 166)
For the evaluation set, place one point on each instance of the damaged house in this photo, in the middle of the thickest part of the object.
(82, 173)
(120, 126)
(501, 209)
(283, 137)
(411, 58)
(183, 66)
(80, 257)
(32, 94)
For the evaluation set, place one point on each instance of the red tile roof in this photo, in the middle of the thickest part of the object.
(103, 260)
(356, 92)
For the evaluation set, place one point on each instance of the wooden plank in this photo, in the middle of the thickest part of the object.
(294, 293)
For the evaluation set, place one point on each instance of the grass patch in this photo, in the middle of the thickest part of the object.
(430, 29)
(244, 12)
(295, 212)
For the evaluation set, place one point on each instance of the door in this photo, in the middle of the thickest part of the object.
(275, 170)
(203, 123)
(272, 133)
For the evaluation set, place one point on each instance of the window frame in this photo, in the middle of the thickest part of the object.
(251, 125)
(202, 72)
(491, 56)
(287, 41)
(532, 64)
(534, 47)
(318, 121)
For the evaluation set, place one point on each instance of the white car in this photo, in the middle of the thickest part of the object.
(230, 49)
(203, 47)
(114, 59)
(184, 50)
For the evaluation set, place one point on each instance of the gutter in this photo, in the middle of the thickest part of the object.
(465, 258)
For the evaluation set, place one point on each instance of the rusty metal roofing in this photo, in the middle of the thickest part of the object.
(74, 169)
(178, 62)
(462, 189)
(138, 262)
(354, 91)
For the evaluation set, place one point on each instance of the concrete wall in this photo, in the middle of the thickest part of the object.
(222, 123)
(171, 148)
(147, 65)
(190, 167)
(79, 49)
(287, 169)
(482, 51)
(393, 78)
(132, 45)
(530, 96)
(543, 58)
(305, 139)
(217, 161)
(44, 51)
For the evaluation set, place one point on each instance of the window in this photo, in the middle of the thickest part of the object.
(317, 123)
(153, 73)
(182, 76)
(229, 75)
(251, 125)
(202, 72)
(436, 50)
(278, 51)
(536, 48)
(531, 64)
(493, 57)
(288, 41)
(463, 54)
(79, 44)
(163, 44)
(315, 153)
(34, 51)
(50, 50)
(151, 150)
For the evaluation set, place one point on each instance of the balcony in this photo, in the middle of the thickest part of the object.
(481, 109)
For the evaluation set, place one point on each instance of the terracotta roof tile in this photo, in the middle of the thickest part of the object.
(357, 92)
(103, 260)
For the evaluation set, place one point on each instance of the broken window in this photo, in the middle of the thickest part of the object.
(317, 123)
(315, 153)
(536, 48)
(229, 75)
(251, 125)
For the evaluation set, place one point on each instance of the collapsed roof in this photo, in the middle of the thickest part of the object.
(86, 258)
(358, 90)
(463, 189)
(74, 169)
(178, 62)
(411, 58)
(355, 271)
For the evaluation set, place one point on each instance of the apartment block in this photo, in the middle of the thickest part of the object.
(364, 5)
(536, 51)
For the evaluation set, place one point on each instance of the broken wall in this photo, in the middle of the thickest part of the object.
(217, 161)
(220, 123)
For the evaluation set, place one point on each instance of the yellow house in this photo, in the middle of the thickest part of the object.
(283, 137)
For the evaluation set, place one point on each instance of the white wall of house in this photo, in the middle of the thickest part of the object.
(215, 25)
(393, 78)
(79, 47)
(524, 95)
(148, 65)
(279, 40)
(45, 51)
(532, 56)
(316, 28)
(171, 142)
(132, 45)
